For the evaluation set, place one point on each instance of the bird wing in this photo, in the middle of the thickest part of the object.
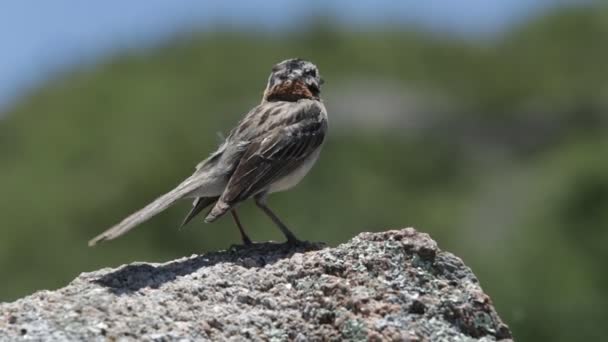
(269, 158)
(272, 140)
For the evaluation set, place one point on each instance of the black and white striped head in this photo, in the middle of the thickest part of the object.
(291, 72)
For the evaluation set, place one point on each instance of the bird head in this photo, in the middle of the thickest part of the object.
(293, 79)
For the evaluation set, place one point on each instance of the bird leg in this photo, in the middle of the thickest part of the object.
(246, 240)
(260, 201)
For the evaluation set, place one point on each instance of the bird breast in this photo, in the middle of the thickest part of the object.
(292, 179)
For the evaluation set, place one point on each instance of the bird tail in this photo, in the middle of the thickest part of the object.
(199, 204)
(152, 209)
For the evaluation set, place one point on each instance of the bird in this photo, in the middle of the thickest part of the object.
(269, 150)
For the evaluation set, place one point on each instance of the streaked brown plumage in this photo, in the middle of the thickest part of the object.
(271, 149)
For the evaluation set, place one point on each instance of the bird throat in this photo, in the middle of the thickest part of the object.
(290, 91)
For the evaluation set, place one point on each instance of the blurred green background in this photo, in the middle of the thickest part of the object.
(495, 147)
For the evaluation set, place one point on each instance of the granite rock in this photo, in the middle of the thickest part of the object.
(394, 285)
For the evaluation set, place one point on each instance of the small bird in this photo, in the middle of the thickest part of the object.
(271, 149)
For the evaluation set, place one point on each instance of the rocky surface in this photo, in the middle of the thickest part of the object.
(395, 285)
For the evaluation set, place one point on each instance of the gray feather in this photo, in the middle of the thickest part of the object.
(152, 209)
(199, 204)
(283, 144)
(261, 134)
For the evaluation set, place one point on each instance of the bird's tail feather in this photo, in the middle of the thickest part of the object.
(199, 204)
(152, 209)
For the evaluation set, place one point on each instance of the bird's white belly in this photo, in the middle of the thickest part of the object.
(292, 179)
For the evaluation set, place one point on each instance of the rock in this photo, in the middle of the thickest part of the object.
(395, 285)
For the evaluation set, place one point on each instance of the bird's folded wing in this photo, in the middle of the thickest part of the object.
(270, 157)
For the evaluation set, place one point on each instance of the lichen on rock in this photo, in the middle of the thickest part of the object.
(393, 285)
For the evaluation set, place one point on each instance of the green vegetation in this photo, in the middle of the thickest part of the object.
(511, 176)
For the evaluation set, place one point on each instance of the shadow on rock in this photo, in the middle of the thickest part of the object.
(133, 277)
(396, 285)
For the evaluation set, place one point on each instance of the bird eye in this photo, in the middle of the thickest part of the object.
(311, 72)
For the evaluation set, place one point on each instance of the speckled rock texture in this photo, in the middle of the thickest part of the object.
(390, 286)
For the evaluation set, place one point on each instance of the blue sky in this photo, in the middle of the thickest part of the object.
(38, 38)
